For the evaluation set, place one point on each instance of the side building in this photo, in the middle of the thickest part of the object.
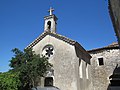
(114, 10)
(104, 63)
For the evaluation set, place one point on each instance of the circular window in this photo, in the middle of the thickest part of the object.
(48, 51)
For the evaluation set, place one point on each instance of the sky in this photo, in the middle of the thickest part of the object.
(22, 21)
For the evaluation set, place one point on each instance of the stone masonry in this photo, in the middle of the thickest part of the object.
(101, 73)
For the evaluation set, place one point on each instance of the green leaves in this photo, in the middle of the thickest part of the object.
(27, 68)
(9, 81)
(29, 65)
(34, 69)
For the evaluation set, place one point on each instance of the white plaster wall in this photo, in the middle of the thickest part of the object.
(64, 60)
(85, 82)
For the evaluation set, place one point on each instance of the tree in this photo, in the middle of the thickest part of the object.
(30, 66)
(9, 81)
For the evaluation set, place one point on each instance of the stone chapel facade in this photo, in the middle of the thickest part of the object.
(73, 66)
(71, 62)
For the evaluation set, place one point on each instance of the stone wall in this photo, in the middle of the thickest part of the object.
(101, 73)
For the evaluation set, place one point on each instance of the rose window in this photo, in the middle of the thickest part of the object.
(48, 51)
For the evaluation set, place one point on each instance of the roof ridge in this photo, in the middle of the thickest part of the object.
(40, 37)
(114, 45)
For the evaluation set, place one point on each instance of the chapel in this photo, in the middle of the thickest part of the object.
(71, 62)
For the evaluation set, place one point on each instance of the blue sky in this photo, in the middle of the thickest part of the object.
(21, 21)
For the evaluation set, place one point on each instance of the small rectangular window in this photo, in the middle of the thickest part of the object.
(100, 61)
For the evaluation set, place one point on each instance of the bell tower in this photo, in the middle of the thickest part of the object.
(50, 22)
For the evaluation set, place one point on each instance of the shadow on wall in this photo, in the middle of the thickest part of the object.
(115, 79)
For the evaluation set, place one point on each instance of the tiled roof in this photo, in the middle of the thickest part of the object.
(111, 46)
(72, 42)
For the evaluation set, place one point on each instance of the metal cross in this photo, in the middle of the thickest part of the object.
(49, 51)
(51, 10)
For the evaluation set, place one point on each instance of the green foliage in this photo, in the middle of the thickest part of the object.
(9, 81)
(27, 67)
(30, 66)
